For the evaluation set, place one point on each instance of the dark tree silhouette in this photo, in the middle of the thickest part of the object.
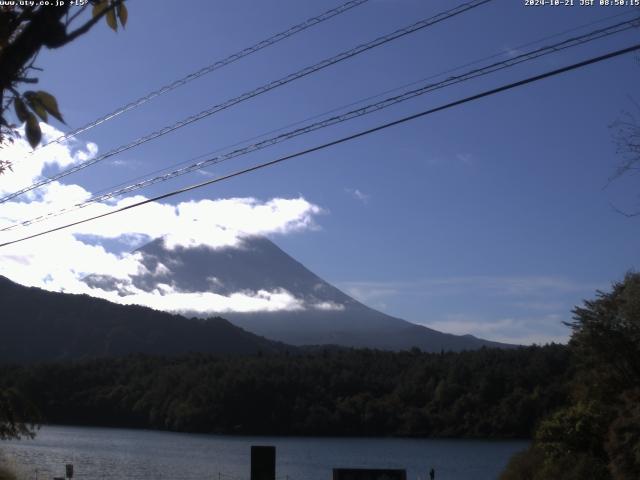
(597, 435)
(626, 135)
(18, 415)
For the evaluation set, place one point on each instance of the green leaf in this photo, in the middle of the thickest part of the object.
(111, 20)
(99, 7)
(36, 105)
(50, 104)
(34, 135)
(21, 109)
(123, 14)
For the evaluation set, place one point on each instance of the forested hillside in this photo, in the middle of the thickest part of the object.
(37, 325)
(486, 393)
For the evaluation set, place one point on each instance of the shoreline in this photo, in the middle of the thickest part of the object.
(283, 436)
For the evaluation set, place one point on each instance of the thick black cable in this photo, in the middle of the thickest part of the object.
(369, 131)
(472, 74)
(362, 100)
(211, 67)
(258, 91)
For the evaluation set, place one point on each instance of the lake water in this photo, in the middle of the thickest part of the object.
(110, 454)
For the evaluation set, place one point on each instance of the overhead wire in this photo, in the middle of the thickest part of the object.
(258, 91)
(371, 97)
(272, 40)
(341, 140)
(371, 108)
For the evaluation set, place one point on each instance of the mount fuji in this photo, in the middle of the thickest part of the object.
(317, 313)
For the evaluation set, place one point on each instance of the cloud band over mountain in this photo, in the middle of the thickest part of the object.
(59, 261)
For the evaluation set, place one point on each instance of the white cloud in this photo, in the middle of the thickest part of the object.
(28, 165)
(60, 260)
(465, 158)
(511, 52)
(358, 195)
(521, 331)
(328, 306)
(525, 309)
(366, 292)
(488, 285)
(164, 297)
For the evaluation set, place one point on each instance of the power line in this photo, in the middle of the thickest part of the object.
(591, 36)
(362, 100)
(371, 97)
(258, 91)
(569, 43)
(365, 110)
(212, 67)
(363, 133)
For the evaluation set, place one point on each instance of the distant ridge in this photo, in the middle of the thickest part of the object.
(38, 326)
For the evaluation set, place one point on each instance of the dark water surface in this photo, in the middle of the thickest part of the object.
(109, 454)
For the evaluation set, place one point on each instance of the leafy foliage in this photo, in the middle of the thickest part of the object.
(597, 435)
(18, 415)
(576, 429)
(26, 28)
(112, 11)
(606, 339)
(623, 438)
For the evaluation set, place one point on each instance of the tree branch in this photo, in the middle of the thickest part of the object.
(89, 24)
(43, 29)
(75, 15)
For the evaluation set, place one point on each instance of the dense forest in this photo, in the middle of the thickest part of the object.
(579, 403)
(486, 393)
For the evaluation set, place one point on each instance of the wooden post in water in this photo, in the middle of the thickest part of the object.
(263, 462)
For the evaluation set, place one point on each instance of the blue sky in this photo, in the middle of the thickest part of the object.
(492, 218)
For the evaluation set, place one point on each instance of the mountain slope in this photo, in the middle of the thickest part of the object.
(326, 314)
(38, 325)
